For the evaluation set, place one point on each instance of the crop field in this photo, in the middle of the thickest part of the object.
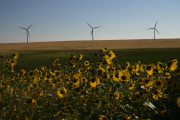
(82, 80)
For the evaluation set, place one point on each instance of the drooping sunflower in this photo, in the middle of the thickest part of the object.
(80, 56)
(105, 49)
(22, 72)
(62, 92)
(157, 94)
(172, 66)
(101, 71)
(124, 75)
(161, 67)
(94, 81)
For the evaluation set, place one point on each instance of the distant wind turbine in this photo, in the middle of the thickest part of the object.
(92, 30)
(27, 31)
(154, 29)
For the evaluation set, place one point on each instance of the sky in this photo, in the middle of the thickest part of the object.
(66, 20)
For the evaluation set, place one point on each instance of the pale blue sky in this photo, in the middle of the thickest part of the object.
(62, 20)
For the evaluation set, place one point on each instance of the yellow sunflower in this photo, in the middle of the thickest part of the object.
(124, 76)
(105, 49)
(178, 101)
(157, 94)
(116, 95)
(116, 76)
(15, 55)
(80, 56)
(86, 63)
(62, 92)
(22, 72)
(111, 55)
(159, 83)
(150, 68)
(94, 81)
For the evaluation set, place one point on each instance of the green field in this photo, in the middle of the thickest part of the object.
(30, 60)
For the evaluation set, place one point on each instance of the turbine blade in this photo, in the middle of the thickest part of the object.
(155, 24)
(30, 26)
(89, 25)
(157, 31)
(96, 27)
(22, 28)
(149, 28)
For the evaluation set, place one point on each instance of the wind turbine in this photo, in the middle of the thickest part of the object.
(92, 30)
(27, 31)
(154, 29)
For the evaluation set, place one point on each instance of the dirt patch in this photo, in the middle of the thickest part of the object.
(92, 45)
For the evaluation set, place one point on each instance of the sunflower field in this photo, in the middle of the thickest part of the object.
(91, 89)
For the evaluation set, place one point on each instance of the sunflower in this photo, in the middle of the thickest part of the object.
(124, 76)
(108, 59)
(149, 69)
(116, 76)
(159, 83)
(59, 114)
(161, 67)
(13, 62)
(127, 117)
(172, 65)
(140, 81)
(111, 55)
(22, 72)
(97, 101)
(98, 64)
(86, 63)
(15, 55)
(137, 96)
(105, 49)
(101, 71)
(62, 92)
(80, 56)
(76, 81)
(131, 86)
(167, 75)
(116, 95)
(175, 85)
(83, 101)
(94, 81)
(157, 94)
(148, 82)
(178, 101)
(105, 75)
(32, 102)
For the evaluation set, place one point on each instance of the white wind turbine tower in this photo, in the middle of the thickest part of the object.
(92, 30)
(27, 31)
(154, 29)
